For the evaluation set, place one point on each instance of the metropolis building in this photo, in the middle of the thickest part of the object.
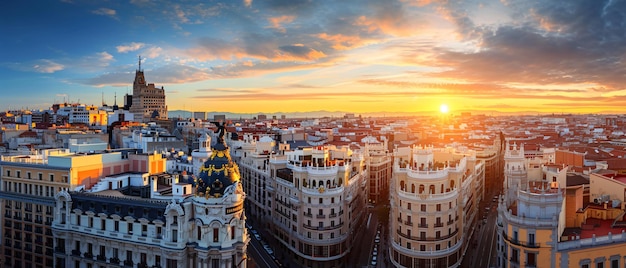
(320, 197)
(434, 197)
(148, 101)
(544, 220)
(155, 220)
(311, 199)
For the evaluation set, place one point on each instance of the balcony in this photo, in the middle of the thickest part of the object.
(59, 250)
(320, 216)
(423, 225)
(128, 263)
(76, 252)
(88, 255)
(101, 258)
(408, 223)
(428, 239)
(439, 224)
(114, 260)
(450, 222)
(308, 215)
(526, 244)
(332, 215)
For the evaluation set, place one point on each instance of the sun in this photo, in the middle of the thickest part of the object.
(443, 108)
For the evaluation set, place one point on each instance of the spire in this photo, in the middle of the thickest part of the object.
(115, 99)
(139, 64)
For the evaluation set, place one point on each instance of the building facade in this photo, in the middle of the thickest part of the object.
(29, 184)
(148, 101)
(319, 196)
(155, 220)
(434, 196)
(543, 220)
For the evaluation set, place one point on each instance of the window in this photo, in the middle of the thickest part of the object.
(438, 207)
(531, 259)
(18, 174)
(423, 207)
(216, 235)
(130, 228)
(51, 177)
(117, 226)
(321, 201)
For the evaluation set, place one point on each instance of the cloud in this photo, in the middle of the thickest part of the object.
(152, 52)
(277, 22)
(247, 3)
(129, 47)
(168, 74)
(300, 51)
(105, 12)
(47, 66)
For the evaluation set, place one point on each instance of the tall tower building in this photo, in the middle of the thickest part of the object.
(148, 101)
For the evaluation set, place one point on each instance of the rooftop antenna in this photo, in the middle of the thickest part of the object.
(115, 99)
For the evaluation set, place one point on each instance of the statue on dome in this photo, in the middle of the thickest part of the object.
(221, 129)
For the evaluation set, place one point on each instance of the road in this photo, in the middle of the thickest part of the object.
(482, 249)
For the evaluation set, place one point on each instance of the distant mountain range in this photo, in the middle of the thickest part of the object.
(311, 114)
(323, 113)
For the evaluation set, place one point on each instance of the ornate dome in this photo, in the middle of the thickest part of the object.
(217, 173)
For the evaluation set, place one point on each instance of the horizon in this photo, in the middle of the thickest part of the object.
(297, 56)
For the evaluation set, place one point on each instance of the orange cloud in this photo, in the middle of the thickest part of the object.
(277, 22)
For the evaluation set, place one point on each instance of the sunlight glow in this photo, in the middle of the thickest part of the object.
(443, 108)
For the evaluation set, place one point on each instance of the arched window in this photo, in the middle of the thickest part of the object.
(402, 185)
(431, 189)
(452, 185)
(421, 188)
(313, 184)
(412, 188)
(441, 188)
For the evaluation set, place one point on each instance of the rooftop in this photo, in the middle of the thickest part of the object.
(591, 227)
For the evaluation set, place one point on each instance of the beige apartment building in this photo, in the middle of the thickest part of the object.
(320, 196)
(434, 203)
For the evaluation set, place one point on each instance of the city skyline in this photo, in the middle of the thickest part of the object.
(288, 56)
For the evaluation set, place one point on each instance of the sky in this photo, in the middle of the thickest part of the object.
(361, 56)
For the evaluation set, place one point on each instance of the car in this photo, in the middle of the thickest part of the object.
(375, 252)
(257, 236)
(374, 260)
(377, 239)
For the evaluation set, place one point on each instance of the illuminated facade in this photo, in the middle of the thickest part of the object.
(319, 196)
(148, 101)
(155, 220)
(544, 222)
(29, 183)
(434, 196)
